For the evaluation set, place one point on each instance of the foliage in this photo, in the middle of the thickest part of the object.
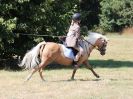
(47, 17)
(6, 36)
(90, 10)
(116, 14)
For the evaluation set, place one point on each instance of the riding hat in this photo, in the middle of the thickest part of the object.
(76, 17)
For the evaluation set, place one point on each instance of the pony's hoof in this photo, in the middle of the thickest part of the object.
(72, 78)
(43, 80)
(24, 82)
(97, 76)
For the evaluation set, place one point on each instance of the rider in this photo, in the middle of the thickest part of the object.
(73, 36)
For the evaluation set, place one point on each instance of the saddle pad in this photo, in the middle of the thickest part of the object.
(68, 52)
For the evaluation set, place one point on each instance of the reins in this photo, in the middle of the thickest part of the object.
(90, 44)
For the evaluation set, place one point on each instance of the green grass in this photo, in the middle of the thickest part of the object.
(115, 82)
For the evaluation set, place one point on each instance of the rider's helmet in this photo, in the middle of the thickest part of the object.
(76, 17)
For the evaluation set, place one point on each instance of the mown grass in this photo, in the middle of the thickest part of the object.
(115, 82)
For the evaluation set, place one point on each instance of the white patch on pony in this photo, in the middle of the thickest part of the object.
(93, 36)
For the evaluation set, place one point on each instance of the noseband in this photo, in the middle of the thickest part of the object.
(102, 48)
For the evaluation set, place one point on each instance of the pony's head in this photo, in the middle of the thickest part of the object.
(99, 41)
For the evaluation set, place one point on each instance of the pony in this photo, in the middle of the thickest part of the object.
(47, 52)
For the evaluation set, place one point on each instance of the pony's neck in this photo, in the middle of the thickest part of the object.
(89, 49)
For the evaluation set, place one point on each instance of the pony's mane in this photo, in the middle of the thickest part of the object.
(93, 36)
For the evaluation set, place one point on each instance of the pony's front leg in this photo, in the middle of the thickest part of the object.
(74, 71)
(90, 67)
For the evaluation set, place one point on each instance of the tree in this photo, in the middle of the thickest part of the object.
(116, 14)
(47, 17)
(90, 10)
(7, 24)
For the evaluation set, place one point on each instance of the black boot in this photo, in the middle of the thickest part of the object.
(75, 63)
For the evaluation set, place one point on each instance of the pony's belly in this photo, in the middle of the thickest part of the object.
(63, 61)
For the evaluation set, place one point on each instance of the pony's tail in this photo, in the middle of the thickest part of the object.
(31, 58)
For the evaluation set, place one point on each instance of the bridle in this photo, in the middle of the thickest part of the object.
(96, 47)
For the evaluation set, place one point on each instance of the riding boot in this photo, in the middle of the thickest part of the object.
(75, 62)
(77, 57)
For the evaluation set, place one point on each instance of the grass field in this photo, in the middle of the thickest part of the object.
(115, 82)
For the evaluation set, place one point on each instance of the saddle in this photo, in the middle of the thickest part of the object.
(68, 51)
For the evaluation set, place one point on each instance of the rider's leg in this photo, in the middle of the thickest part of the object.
(81, 51)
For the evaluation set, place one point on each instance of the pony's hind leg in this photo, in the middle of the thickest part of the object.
(40, 73)
(40, 66)
(30, 75)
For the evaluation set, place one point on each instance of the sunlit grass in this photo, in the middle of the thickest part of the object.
(114, 83)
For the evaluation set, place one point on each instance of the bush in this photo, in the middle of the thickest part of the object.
(116, 14)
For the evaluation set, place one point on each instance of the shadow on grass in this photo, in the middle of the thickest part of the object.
(111, 63)
(92, 80)
(96, 63)
(69, 80)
